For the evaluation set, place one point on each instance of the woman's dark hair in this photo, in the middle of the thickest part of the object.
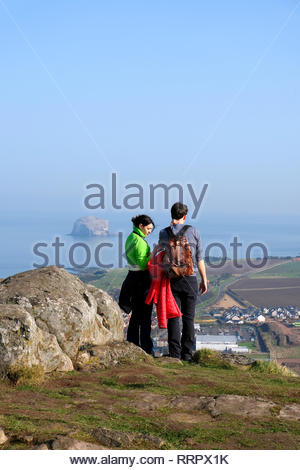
(142, 219)
(178, 210)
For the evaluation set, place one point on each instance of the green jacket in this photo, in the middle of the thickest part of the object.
(137, 250)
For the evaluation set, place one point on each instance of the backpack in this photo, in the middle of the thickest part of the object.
(177, 260)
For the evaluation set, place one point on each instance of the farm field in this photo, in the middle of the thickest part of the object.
(267, 283)
(245, 268)
(112, 279)
(269, 292)
(290, 269)
(226, 302)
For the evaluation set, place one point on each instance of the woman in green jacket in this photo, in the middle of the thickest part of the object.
(136, 285)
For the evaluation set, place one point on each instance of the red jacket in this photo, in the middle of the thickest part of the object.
(160, 292)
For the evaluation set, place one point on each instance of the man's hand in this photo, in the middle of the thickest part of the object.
(203, 286)
(202, 271)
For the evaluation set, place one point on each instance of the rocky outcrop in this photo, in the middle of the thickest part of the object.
(290, 412)
(246, 406)
(112, 354)
(111, 438)
(67, 443)
(23, 343)
(90, 226)
(238, 359)
(47, 315)
(241, 405)
(106, 439)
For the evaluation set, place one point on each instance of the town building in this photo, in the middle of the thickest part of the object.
(223, 343)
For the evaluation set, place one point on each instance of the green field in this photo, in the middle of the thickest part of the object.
(112, 279)
(247, 344)
(291, 269)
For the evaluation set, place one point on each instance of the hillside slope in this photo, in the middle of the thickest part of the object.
(159, 403)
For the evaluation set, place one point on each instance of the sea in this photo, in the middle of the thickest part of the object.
(34, 240)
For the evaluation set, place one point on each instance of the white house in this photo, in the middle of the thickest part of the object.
(261, 318)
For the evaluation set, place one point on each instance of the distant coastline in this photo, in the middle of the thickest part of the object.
(19, 233)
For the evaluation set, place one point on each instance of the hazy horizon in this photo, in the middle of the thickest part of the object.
(160, 92)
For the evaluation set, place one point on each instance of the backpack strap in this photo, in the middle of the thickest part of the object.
(183, 230)
(169, 231)
(179, 234)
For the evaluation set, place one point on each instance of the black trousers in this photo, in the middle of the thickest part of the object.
(185, 291)
(139, 328)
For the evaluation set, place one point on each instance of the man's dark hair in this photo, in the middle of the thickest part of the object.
(142, 219)
(178, 210)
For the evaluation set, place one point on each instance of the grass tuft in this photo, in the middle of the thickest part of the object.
(33, 375)
(272, 367)
(209, 358)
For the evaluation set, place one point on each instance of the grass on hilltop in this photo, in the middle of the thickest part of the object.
(75, 403)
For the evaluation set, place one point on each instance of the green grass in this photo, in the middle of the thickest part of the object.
(151, 385)
(259, 356)
(272, 367)
(291, 269)
(106, 398)
(209, 358)
(247, 344)
(113, 279)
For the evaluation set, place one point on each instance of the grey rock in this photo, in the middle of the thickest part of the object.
(149, 401)
(242, 405)
(109, 355)
(90, 226)
(108, 313)
(23, 344)
(67, 443)
(238, 359)
(187, 403)
(152, 441)
(61, 309)
(233, 404)
(291, 412)
(111, 438)
(40, 447)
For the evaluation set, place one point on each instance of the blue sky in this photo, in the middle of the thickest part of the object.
(159, 92)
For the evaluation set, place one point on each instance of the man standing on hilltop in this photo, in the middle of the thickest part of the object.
(184, 288)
